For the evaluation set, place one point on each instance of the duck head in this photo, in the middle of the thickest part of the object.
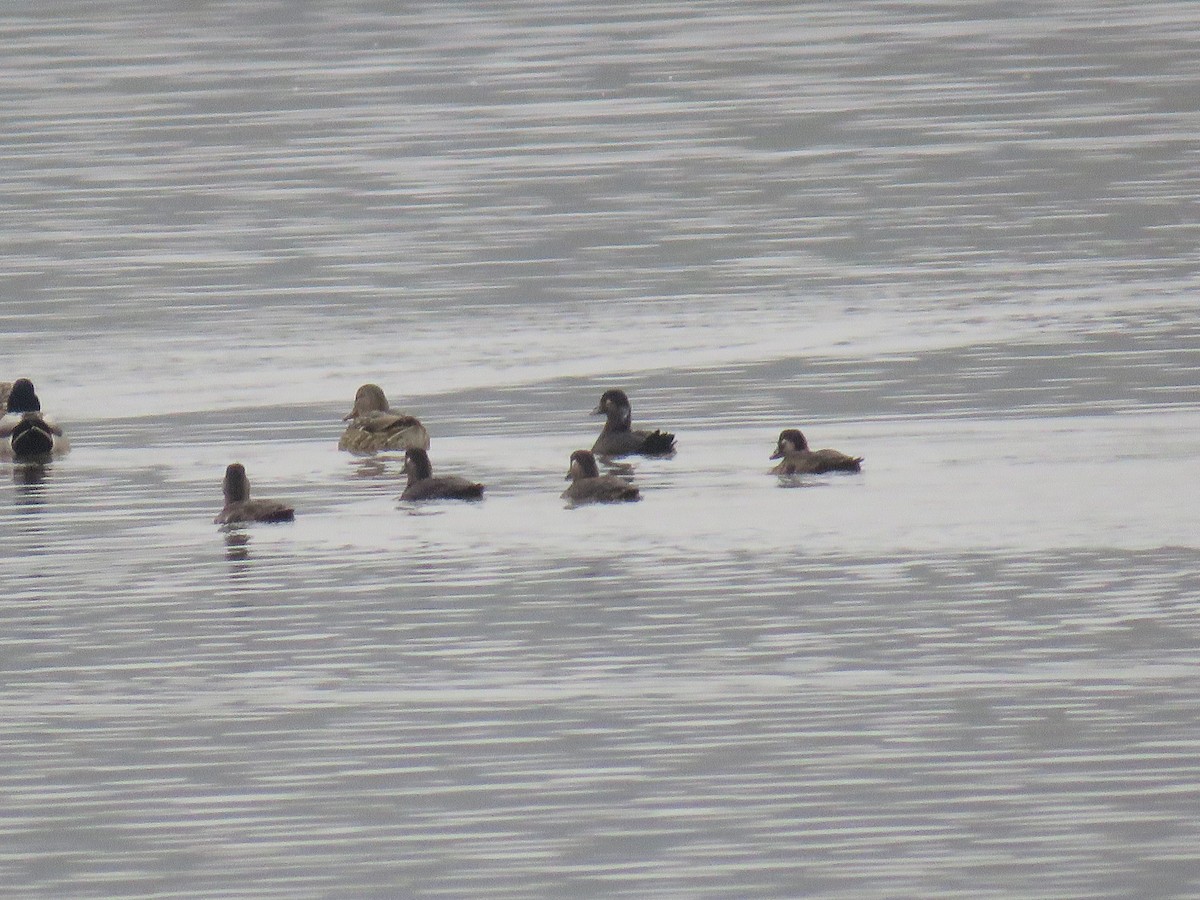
(236, 485)
(583, 465)
(367, 399)
(22, 398)
(615, 405)
(790, 440)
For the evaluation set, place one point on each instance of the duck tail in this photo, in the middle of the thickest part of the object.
(659, 443)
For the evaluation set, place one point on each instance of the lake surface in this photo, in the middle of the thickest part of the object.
(958, 239)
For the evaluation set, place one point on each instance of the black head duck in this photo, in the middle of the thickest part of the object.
(796, 459)
(424, 485)
(26, 433)
(374, 426)
(618, 438)
(589, 486)
(240, 508)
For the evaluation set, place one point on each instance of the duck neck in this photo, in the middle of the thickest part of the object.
(418, 467)
(619, 419)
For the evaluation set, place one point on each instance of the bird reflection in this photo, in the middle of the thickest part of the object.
(616, 466)
(237, 552)
(370, 467)
(30, 479)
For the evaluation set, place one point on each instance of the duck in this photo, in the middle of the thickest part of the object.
(589, 486)
(424, 485)
(797, 459)
(375, 426)
(25, 433)
(618, 438)
(240, 508)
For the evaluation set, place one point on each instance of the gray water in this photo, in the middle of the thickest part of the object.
(957, 238)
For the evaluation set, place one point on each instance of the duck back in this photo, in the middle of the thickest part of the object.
(255, 511)
(384, 431)
(443, 487)
(626, 443)
(817, 462)
(31, 438)
(601, 489)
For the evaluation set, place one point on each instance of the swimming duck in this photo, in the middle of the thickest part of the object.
(617, 438)
(26, 434)
(589, 486)
(423, 485)
(240, 508)
(373, 426)
(797, 459)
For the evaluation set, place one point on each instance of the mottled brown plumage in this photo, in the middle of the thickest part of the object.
(373, 426)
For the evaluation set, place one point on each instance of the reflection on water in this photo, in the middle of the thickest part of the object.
(29, 478)
(959, 243)
(237, 549)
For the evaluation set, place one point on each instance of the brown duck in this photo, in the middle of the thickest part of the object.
(618, 437)
(424, 485)
(240, 508)
(589, 486)
(796, 459)
(374, 426)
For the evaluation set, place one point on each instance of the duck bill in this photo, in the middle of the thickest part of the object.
(778, 454)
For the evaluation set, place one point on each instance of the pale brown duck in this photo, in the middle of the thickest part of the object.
(374, 426)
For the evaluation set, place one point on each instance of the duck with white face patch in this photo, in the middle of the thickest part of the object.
(618, 437)
(589, 486)
(797, 459)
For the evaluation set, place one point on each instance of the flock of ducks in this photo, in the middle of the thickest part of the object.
(29, 436)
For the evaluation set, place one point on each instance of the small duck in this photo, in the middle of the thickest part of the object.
(617, 438)
(797, 459)
(25, 433)
(374, 426)
(423, 485)
(240, 508)
(589, 486)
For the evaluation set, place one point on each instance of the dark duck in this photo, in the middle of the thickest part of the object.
(618, 438)
(424, 485)
(25, 432)
(240, 508)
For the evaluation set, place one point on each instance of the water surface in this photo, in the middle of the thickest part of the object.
(957, 239)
